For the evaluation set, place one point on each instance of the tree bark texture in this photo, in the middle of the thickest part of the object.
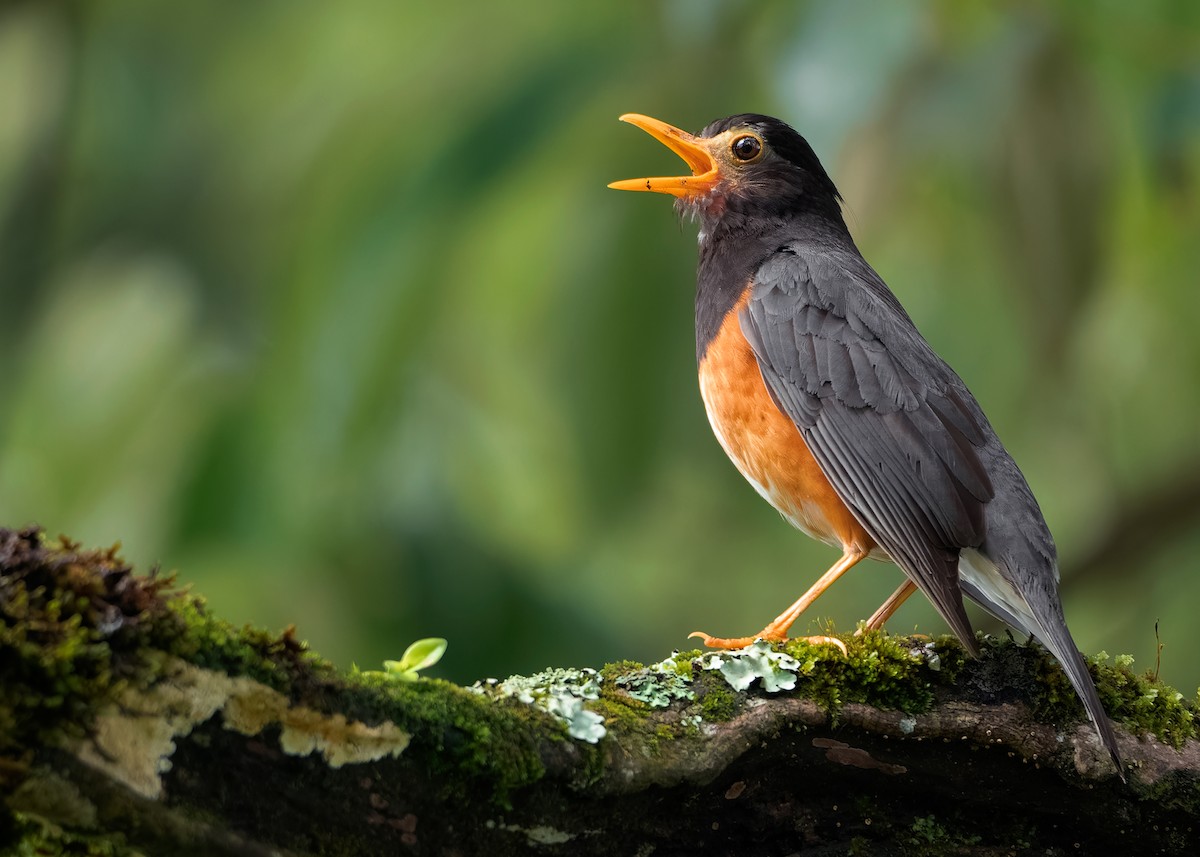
(132, 720)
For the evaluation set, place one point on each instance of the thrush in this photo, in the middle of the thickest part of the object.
(828, 400)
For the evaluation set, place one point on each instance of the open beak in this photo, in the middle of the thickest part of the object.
(692, 149)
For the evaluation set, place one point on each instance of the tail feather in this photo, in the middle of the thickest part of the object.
(1057, 639)
(985, 583)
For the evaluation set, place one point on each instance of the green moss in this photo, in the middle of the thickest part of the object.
(929, 837)
(681, 662)
(70, 626)
(951, 658)
(32, 837)
(609, 673)
(891, 673)
(460, 731)
(1176, 791)
(1140, 702)
(630, 691)
(621, 713)
(717, 701)
(899, 673)
(280, 661)
(1145, 704)
(657, 686)
(628, 717)
(886, 672)
(78, 627)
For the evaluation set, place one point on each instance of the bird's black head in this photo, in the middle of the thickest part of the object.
(748, 164)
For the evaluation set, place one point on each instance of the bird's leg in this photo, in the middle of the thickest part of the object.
(776, 632)
(887, 608)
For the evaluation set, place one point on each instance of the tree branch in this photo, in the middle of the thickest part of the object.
(132, 716)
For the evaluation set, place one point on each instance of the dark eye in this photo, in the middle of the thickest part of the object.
(746, 148)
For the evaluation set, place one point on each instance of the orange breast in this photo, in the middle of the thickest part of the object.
(765, 444)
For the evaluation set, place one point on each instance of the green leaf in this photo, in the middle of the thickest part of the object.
(420, 655)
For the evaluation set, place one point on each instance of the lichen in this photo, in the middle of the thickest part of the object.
(458, 732)
(902, 674)
(773, 670)
(537, 835)
(887, 672)
(658, 685)
(79, 630)
(561, 693)
(132, 741)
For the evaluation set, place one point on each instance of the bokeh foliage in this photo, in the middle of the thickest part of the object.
(327, 305)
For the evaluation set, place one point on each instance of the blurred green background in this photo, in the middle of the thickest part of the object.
(326, 305)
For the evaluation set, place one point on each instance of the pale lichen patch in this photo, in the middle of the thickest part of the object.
(537, 835)
(545, 835)
(657, 685)
(305, 730)
(133, 741)
(774, 670)
(559, 692)
(340, 741)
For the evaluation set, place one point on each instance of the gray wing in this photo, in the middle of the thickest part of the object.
(892, 427)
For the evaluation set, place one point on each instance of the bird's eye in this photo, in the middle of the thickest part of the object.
(746, 148)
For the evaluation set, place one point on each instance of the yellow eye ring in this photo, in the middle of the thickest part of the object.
(746, 148)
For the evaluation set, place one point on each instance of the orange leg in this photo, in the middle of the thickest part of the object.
(887, 608)
(776, 632)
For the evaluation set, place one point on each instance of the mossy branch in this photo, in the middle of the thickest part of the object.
(131, 720)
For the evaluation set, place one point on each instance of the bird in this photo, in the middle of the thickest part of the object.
(820, 389)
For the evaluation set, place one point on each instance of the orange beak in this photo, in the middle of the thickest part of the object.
(693, 150)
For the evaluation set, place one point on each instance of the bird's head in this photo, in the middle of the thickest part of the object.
(747, 164)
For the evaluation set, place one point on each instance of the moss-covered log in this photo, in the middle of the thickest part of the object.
(131, 720)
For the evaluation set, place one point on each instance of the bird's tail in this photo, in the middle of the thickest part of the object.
(987, 585)
(1057, 639)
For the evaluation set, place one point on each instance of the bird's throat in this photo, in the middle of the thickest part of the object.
(729, 256)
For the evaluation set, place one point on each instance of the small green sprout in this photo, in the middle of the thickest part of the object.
(420, 655)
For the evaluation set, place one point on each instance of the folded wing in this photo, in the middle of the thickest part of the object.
(893, 428)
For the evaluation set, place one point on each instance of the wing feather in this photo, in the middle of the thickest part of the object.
(893, 428)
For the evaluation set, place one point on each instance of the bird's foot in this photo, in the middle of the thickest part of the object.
(823, 640)
(732, 642)
(769, 634)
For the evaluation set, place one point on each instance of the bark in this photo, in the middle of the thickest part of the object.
(131, 719)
